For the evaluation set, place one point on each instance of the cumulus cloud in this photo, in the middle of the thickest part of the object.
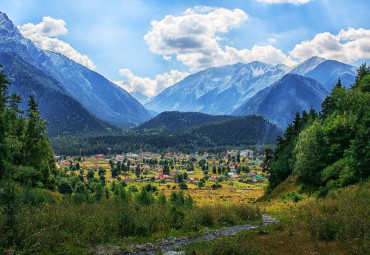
(347, 46)
(44, 34)
(193, 38)
(146, 85)
(296, 2)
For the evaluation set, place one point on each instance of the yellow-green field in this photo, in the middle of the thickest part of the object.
(231, 191)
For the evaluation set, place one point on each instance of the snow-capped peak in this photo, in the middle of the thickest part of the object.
(307, 66)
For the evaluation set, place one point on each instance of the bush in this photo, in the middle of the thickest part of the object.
(176, 217)
(183, 186)
(342, 215)
(64, 187)
(144, 197)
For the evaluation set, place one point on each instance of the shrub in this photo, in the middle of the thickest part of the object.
(144, 197)
(183, 186)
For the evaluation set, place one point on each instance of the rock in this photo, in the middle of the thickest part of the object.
(109, 250)
(174, 253)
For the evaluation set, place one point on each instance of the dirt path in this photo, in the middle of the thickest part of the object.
(171, 244)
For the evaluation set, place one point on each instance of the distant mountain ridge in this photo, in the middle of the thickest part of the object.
(100, 96)
(245, 130)
(327, 72)
(174, 121)
(222, 90)
(236, 131)
(64, 113)
(279, 102)
(217, 90)
(140, 97)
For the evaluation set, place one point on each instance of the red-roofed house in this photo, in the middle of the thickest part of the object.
(163, 176)
(100, 156)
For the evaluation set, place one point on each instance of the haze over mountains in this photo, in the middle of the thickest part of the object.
(64, 113)
(233, 89)
(75, 98)
(97, 94)
(279, 102)
(217, 90)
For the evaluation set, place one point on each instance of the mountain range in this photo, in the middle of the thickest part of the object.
(64, 113)
(75, 98)
(217, 90)
(211, 133)
(97, 94)
(279, 102)
(234, 89)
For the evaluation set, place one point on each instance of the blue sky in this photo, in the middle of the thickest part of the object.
(111, 33)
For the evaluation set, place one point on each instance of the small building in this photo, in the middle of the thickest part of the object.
(161, 176)
(192, 180)
(132, 156)
(100, 157)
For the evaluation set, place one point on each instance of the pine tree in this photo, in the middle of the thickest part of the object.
(362, 71)
(137, 170)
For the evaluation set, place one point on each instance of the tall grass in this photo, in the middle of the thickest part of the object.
(336, 224)
(343, 215)
(49, 224)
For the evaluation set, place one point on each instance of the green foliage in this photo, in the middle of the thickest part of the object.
(65, 187)
(293, 196)
(183, 186)
(217, 136)
(328, 150)
(342, 215)
(144, 197)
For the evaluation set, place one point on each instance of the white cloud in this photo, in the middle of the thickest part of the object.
(147, 86)
(167, 58)
(43, 36)
(48, 27)
(296, 2)
(271, 40)
(194, 39)
(347, 46)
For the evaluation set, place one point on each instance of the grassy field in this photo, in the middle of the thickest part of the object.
(227, 194)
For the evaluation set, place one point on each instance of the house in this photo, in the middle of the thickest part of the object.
(146, 167)
(100, 157)
(161, 176)
(132, 156)
(67, 164)
(192, 180)
(215, 178)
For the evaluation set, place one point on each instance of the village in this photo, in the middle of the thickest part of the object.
(234, 176)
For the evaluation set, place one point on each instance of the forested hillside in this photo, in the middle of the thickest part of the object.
(238, 131)
(177, 121)
(329, 149)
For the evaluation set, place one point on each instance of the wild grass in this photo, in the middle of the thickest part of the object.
(336, 224)
(55, 224)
